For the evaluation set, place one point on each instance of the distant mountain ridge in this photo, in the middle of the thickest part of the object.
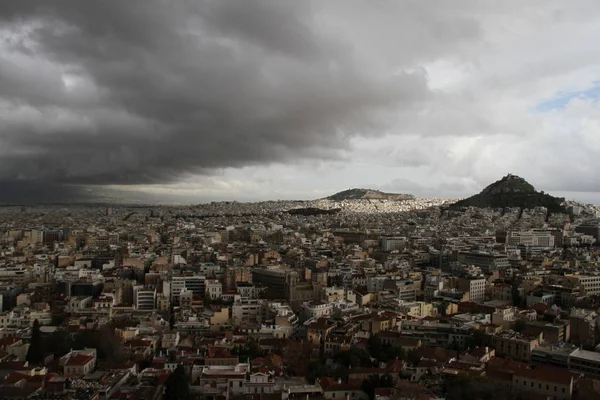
(512, 191)
(368, 194)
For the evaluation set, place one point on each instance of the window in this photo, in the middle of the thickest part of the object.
(547, 387)
(555, 388)
(564, 390)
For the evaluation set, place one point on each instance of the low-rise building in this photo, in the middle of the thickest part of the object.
(513, 344)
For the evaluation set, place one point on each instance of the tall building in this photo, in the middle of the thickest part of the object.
(591, 228)
(213, 288)
(277, 281)
(194, 283)
(488, 262)
(475, 287)
(389, 243)
(514, 345)
(590, 284)
(124, 291)
(18, 275)
(144, 297)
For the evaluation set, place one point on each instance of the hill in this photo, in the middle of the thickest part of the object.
(512, 191)
(368, 194)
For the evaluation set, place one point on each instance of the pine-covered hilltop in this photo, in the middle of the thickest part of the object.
(512, 191)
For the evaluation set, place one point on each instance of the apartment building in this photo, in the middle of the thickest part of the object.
(553, 332)
(540, 297)
(542, 238)
(417, 309)
(584, 324)
(514, 345)
(502, 291)
(332, 294)
(488, 262)
(546, 381)
(475, 287)
(194, 283)
(144, 297)
(316, 309)
(15, 274)
(213, 289)
(590, 284)
(247, 311)
(586, 362)
(389, 243)
(276, 281)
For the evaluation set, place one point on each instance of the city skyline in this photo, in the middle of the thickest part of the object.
(191, 102)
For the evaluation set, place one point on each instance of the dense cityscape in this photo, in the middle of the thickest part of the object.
(383, 299)
(299, 200)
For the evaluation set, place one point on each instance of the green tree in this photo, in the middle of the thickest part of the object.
(177, 386)
(413, 357)
(376, 382)
(104, 340)
(354, 358)
(36, 353)
(477, 339)
(384, 352)
(316, 369)
(297, 356)
(520, 325)
(463, 387)
(249, 350)
(59, 343)
(171, 319)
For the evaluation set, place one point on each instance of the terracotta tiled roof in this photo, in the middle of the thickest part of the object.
(79, 359)
(12, 365)
(14, 377)
(218, 352)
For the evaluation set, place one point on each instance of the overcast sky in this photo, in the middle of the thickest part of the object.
(194, 100)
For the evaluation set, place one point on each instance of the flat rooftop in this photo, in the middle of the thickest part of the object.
(586, 355)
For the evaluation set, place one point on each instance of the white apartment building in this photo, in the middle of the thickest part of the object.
(315, 309)
(475, 287)
(213, 289)
(144, 298)
(417, 309)
(545, 298)
(589, 283)
(246, 289)
(531, 238)
(375, 283)
(331, 294)
(14, 274)
(194, 283)
(247, 311)
(393, 243)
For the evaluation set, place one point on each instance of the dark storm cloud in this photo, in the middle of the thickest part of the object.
(147, 91)
(28, 192)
